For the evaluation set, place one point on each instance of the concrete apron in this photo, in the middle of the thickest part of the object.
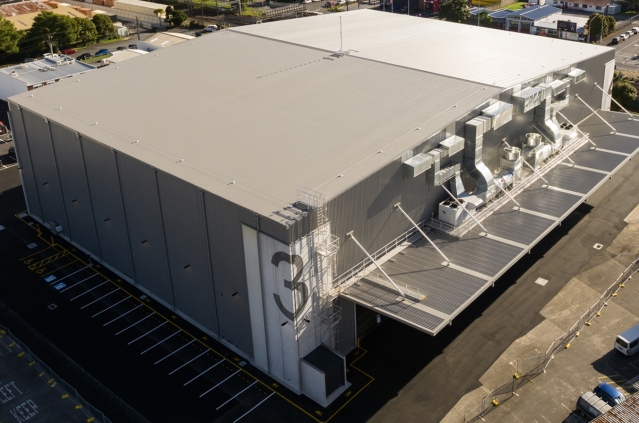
(552, 396)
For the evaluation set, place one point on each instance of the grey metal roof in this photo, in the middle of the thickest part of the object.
(271, 116)
(477, 260)
(431, 45)
(534, 13)
(45, 70)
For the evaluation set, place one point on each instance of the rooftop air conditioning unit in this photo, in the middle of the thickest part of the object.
(14, 74)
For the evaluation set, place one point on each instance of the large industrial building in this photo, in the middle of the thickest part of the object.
(263, 180)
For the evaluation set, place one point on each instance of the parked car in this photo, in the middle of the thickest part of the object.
(629, 33)
(622, 37)
(69, 51)
(210, 28)
(609, 394)
(133, 46)
(84, 56)
(12, 153)
(28, 60)
(635, 30)
(120, 48)
(615, 40)
(329, 4)
(102, 52)
(591, 406)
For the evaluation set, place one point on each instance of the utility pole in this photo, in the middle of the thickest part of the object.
(137, 27)
(202, 8)
(239, 5)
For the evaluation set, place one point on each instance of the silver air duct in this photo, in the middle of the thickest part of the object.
(474, 137)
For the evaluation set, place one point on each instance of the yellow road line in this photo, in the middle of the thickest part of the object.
(58, 268)
(31, 255)
(205, 345)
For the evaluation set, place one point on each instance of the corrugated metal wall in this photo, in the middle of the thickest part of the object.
(102, 174)
(224, 229)
(45, 170)
(68, 154)
(185, 231)
(26, 168)
(146, 230)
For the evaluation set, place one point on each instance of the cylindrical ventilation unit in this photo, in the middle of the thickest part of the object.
(532, 139)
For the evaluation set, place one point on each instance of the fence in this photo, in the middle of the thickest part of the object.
(530, 367)
(11, 343)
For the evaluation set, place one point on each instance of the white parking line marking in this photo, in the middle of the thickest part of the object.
(100, 312)
(193, 359)
(122, 315)
(85, 292)
(183, 346)
(165, 339)
(161, 324)
(95, 301)
(60, 280)
(139, 321)
(219, 384)
(260, 403)
(216, 364)
(235, 396)
(83, 280)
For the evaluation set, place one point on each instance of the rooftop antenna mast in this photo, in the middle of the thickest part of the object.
(341, 46)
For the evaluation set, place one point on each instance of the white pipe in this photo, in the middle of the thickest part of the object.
(593, 110)
(577, 128)
(397, 206)
(616, 102)
(350, 235)
(465, 209)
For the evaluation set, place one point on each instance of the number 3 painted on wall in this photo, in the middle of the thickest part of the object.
(295, 285)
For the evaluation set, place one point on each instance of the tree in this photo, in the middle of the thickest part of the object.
(103, 25)
(594, 24)
(87, 33)
(174, 17)
(9, 37)
(454, 10)
(51, 29)
(160, 12)
(485, 19)
(624, 92)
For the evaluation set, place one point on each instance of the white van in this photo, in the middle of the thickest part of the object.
(628, 342)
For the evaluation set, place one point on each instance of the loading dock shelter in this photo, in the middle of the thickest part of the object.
(266, 194)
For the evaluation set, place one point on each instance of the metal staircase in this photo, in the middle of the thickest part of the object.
(326, 246)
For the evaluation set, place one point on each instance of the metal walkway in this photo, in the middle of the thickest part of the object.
(478, 260)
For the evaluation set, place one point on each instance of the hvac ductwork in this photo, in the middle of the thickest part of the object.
(474, 138)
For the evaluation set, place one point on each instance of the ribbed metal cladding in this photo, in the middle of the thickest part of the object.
(595, 159)
(390, 303)
(26, 168)
(547, 201)
(75, 189)
(626, 412)
(420, 266)
(618, 143)
(477, 253)
(574, 179)
(516, 225)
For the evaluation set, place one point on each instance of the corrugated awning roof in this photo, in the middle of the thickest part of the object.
(478, 260)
